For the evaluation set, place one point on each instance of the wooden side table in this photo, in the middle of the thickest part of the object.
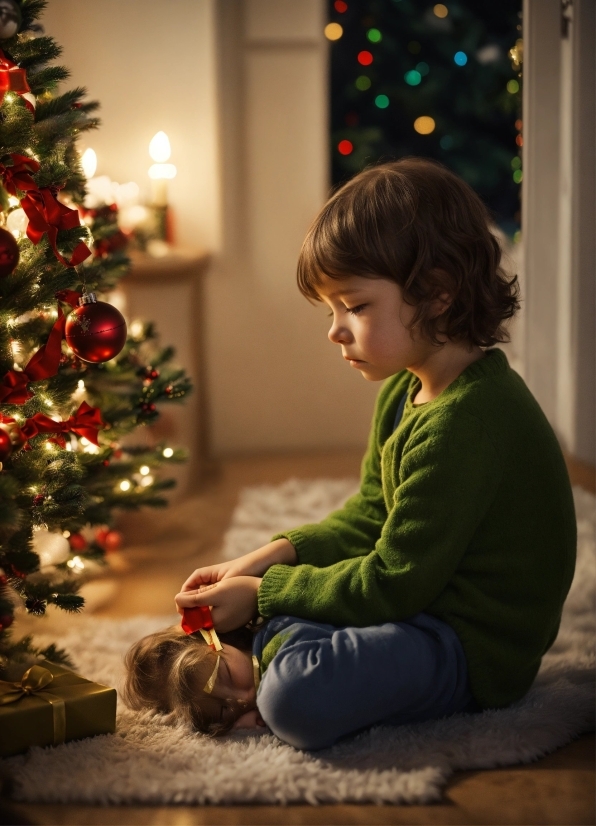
(168, 291)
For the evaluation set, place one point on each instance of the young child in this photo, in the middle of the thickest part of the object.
(463, 533)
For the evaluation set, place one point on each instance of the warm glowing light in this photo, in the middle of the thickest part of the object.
(345, 147)
(49, 402)
(333, 31)
(49, 446)
(76, 563)
(85, 441)
(66, 534)
(136, 329)
(12, 201)
(162, 171)
(159, 147)
(125, 485)
(440, 10)
(365, 58)
(15, 346)
(144, 470)
(17, 222)
(363, 83)
(146, 481)
(81, 384)
(168, 452)
(89, 163)
(424, 125)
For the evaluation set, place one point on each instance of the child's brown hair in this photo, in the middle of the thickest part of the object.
(167, 672)
(415, 222)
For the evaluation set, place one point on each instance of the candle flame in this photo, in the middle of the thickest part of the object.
(159, 148)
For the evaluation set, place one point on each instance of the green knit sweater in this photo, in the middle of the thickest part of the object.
(465, 512)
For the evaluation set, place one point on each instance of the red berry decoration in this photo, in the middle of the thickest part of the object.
(9, 252)
(5, 621)
(5, 445)
(95, 331)
(39, 499)
(112, 541)
(148, 407)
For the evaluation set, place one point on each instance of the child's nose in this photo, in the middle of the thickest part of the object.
(338, 334)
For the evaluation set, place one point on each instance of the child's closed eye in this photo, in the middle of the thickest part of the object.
(356, 310)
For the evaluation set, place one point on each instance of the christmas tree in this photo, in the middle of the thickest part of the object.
(72, 382)
(438, 80)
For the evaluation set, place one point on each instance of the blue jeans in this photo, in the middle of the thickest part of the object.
(326, 682)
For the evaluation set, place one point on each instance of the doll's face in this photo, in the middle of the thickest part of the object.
(235, 677)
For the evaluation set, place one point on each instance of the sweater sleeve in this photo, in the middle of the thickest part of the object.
(353, 530)
(448, 476)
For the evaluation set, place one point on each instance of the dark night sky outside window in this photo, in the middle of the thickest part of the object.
(444, 69)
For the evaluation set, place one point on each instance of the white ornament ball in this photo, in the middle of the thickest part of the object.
(51, 547)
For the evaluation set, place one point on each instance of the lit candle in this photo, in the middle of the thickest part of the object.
(160, 172)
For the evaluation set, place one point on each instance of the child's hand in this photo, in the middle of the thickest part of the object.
(253, 564)
(233, 601)
(252, 719)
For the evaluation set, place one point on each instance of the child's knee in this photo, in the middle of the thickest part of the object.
(290, 715)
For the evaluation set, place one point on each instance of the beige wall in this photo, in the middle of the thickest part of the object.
(240, 88)
(150, 64)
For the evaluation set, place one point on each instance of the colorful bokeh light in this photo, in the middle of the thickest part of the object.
(333, 31)
(518, 176)
(382, 101)
(512, 87)
(340, 6)
(424, 125)
(446, 142)
(365, 58)
(412, 77)
(423, 68)
(460, 58)
(363, 83)
(374, 35)
(441, 10)
(345, 147)
(516, 163)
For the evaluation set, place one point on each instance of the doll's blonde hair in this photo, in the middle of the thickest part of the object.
(167, 672)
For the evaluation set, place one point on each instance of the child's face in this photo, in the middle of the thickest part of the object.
(370, 323)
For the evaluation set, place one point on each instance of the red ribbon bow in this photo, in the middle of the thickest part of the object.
(44, 363)
(86, 422)
(13, 79)
(16, 174)
(193, 619)
(45, 212)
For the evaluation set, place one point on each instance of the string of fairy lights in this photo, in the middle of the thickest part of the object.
(423, 124)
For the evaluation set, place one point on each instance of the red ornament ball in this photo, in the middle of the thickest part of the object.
(9, 252)
(5, 445)
(95, 331)
(113, 540)
(77, 542)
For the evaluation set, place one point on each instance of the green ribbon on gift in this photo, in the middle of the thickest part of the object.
(35, 681)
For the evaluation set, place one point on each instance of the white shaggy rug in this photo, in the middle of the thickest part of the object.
(151, 761)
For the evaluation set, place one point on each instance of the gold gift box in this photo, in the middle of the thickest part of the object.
(51, 705)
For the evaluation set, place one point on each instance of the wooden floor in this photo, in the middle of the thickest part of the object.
(162, 550)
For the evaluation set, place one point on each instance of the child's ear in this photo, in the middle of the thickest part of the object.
(443, 298)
